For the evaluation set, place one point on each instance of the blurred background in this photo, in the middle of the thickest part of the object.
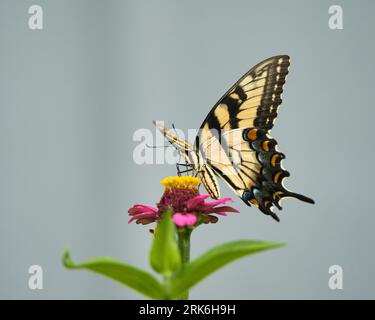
(73, 94)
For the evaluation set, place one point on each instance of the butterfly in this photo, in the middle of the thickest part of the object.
(234, 142)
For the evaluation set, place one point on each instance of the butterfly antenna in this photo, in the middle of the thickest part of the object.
(174, 129)
(154, 147)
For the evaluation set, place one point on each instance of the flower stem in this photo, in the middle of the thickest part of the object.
(167, 285)
(184, 247)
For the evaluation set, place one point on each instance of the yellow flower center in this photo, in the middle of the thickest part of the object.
(183, 182)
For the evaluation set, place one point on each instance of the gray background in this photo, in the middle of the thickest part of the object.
(72, 95)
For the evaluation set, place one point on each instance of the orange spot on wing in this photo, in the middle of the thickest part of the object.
(276, 176)
(274, 159)
(265, 146)
(276, 194)
(252, 134)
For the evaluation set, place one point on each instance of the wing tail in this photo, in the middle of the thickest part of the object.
(299, 197)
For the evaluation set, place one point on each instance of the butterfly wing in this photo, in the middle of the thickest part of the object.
(234, 138)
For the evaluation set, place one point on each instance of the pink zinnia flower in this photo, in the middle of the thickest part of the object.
(182, 197)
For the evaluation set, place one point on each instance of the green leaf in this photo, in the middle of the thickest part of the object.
(164, 256)
(130, 276)
(214, 259)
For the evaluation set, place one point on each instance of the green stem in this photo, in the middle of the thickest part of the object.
(167, 285)
(184, 247)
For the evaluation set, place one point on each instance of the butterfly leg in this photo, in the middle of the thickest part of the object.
(186, 171)
(187, 168)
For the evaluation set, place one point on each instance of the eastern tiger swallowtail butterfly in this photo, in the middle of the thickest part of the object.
(234, 143)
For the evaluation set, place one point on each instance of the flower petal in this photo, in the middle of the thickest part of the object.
(221, 213)
(187, 219)
(211, 219)
(197, 201)
(140, 208)
(220, 201)
(145, 221)
(152, 215)
(223, 209)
